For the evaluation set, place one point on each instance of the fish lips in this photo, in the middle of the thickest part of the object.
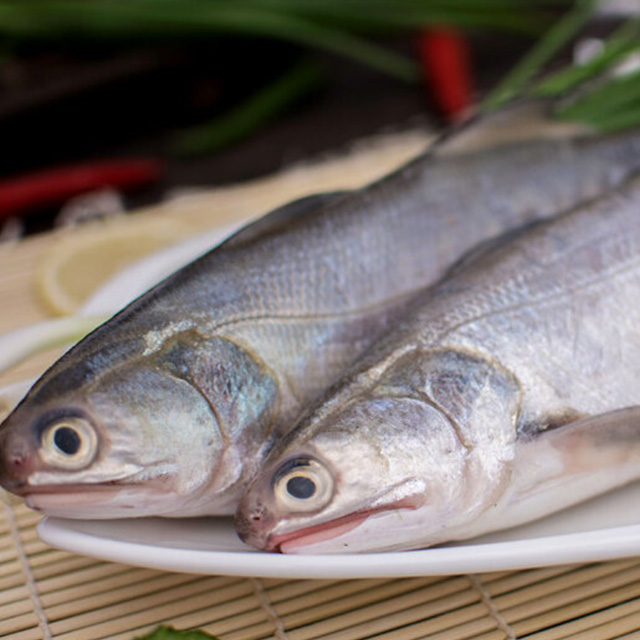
(256, 527)
(297, 540)
(96, 501)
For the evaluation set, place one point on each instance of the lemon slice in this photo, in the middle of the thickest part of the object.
(84, 258)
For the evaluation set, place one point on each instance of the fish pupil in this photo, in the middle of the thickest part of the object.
(301, 487)
(67, 440)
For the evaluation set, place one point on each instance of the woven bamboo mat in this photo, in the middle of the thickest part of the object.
(46, 593)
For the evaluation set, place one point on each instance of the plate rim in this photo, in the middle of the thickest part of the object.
(570, 548)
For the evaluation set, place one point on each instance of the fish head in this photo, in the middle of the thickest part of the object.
(123, 432)
(111, 451)
(405, 462)
(354, 482)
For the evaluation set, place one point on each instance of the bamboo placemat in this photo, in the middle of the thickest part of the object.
(47, 593)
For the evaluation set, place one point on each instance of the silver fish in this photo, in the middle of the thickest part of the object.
(508, 392)
(167, 408)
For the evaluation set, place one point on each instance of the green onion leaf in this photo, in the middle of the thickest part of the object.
(258, 109)
(557, 37)
(616, 48)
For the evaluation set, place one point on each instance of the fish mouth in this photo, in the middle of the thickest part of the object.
(293, 541)
(52, 501)
(290, 542)
(25, 489)
(91, 500)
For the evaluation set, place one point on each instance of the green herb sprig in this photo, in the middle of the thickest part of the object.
(593, 93)
(337, 26)
(303, 78)
(169, 633)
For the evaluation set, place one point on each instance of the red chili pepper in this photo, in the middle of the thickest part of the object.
(55, 186)
(446, 65)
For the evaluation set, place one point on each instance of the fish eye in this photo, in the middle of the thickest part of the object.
(302, 485)
(69, 443)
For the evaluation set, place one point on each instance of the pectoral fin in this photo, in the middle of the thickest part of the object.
(561, 467)
(593, 442)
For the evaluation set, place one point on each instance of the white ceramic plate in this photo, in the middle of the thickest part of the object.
(602, 529)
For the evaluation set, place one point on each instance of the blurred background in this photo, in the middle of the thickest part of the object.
(150, 96)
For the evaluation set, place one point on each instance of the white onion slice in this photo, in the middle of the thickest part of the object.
(139, 277)
(117, 292)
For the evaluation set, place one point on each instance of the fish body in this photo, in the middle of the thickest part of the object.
(509, 391)
(168, 407)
